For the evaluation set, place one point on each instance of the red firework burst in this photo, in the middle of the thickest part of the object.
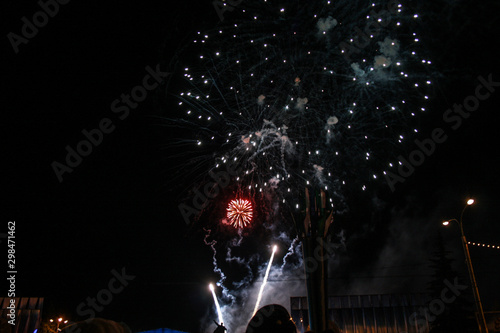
(239, 213)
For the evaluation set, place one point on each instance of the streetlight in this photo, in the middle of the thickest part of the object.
(479, 307)
(59, 321)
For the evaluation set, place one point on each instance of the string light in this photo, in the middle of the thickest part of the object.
(484, 245)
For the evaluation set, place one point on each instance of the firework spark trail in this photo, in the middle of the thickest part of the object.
(220, 283)
(290, 252)
(219, 312)
(259, 297)
(214, 257)
(236, 242)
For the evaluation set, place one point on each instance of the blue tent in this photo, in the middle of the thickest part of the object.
(163, 330)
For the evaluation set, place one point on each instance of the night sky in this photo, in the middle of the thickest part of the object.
(118, 209)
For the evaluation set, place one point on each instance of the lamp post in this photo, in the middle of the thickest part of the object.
(481, 322)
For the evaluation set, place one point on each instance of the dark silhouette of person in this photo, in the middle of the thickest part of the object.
(220, 328)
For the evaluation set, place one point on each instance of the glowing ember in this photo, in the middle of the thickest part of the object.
(239, 213)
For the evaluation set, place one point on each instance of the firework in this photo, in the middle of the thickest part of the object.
(292, 94)
(261, 291)
(239, 213)
(307, 93)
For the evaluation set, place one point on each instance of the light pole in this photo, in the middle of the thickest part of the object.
(481, 322)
